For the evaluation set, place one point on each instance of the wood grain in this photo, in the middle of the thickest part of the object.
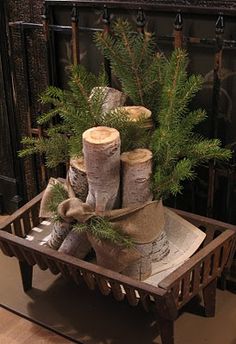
(17, 330)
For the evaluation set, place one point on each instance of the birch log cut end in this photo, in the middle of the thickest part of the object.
(112, 97)
(136, 177)
(136, 113)
(101, 147)
(78, 178)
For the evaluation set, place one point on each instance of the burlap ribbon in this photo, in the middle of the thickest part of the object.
(142, 223)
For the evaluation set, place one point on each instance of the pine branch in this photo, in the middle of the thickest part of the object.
(102, 229)
(58, 195)
(131, 55)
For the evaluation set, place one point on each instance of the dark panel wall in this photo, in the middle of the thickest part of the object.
(29, 56)
(11, 178)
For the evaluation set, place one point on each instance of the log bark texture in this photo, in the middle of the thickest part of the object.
(136, 189)
(58, 234)
(112, 98)
(101, 147)
(136, 113)
(78, 178)
(136, 177)
(141, 269)
(76, 244)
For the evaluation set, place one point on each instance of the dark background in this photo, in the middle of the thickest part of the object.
(30, 60)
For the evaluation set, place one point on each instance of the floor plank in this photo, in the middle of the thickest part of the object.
(17, 330)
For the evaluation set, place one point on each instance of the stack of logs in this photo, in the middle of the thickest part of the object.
(106, 179)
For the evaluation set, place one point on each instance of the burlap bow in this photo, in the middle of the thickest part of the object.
(142, 223)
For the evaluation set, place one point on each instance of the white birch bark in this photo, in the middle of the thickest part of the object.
(101, 148)
(112, 97)
(136, 113)
(136, 177)
(78, 178)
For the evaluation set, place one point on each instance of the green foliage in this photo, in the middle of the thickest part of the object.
(134, 61)
(177, 150)
(78, 111)
(58, 195)
(102, 229)
(163, 86)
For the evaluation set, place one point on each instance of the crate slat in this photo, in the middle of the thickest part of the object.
(117, 291)
(103, 285)
(26, 223)
(40, 261)
(89, 279)
(131, 296)
(18, 228)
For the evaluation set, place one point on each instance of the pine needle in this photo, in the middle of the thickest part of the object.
(58, 195)
(102, 229)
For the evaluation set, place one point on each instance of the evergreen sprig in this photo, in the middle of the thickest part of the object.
(176, 148)
(58, 195)
(162, 85)
(102, 229)
(78, 111)
(134, 61)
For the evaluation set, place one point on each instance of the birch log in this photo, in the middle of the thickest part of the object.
(112, 98)
(136, 177)
(136, 189)
(78, 178)
(136, 174)
(59, 232)
(101, 147)
(136, 113)
(76, 244)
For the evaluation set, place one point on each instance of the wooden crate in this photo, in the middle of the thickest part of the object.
(198, 274)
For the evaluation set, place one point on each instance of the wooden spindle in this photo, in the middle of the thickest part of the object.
(17, 228)
(89, 279)
(178, 31)
(219, 31)
(117, 291)
(106, 31)
(131, 296)
(103, 286)
(75, 35)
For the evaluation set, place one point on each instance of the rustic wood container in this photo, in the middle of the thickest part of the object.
(198, 274)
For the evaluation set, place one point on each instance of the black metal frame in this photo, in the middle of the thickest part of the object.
(219, 9)
(11, 188)
(186, 6)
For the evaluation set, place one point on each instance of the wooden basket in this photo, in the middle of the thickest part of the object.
(198, 274)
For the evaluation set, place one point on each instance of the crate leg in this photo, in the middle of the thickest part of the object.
(209, 298)
(166, 330)
(26, 271)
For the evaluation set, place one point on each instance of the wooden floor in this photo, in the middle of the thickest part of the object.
(3, 217)
(17, 330)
